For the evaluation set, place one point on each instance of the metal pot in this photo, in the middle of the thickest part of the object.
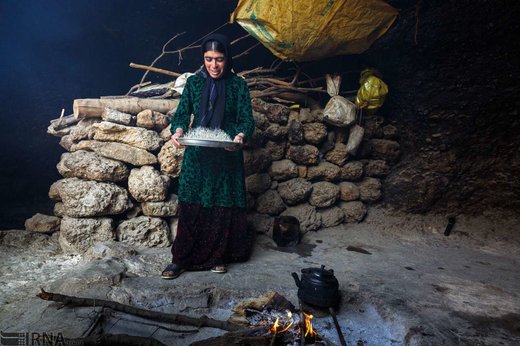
(318, 286)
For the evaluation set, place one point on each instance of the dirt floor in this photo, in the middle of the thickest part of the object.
(409, 285)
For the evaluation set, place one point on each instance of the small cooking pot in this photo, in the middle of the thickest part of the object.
(318, 286)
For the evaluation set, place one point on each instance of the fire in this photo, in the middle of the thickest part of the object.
(276, 324)
(309, 331)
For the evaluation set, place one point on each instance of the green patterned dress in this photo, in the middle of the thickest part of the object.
(212, 226)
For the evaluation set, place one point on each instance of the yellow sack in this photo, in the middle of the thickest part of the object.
(373, 91)
(307, 30)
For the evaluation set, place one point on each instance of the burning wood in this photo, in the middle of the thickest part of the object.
(275, 317)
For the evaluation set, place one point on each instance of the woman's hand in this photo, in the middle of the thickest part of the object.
(178, 134)
(238, 139)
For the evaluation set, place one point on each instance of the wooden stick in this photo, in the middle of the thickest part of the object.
(203, 321)
(302, 324)
(340, 334)
(155, 69)
(246, 51)
(61, 123)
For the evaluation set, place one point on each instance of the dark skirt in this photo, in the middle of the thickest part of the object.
(207, 237)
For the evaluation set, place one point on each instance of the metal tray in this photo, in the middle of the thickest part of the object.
(207, 143)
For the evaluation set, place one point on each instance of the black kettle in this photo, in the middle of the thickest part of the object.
(318, 287)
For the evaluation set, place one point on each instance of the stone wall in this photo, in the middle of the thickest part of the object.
(299, 165)
(120, 174)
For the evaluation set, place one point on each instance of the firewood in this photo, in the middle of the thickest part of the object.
(155, 69)
(203, 321)
(93, 108)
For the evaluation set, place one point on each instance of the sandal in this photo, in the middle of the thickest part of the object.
(221, 269)
(172, 271)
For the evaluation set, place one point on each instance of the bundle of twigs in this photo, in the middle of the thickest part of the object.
(261, 81)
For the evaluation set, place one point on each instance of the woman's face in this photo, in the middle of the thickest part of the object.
(215, 63)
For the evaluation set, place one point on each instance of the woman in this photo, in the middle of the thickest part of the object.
(212, 218)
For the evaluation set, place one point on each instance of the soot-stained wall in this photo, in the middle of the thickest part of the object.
(453, 69)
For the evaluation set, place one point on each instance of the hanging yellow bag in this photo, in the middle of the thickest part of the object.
(373, 91)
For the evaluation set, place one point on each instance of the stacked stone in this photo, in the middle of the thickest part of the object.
(119, 174)
(299, 165)
(112, 186)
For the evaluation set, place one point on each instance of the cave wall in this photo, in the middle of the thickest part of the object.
(452, 67)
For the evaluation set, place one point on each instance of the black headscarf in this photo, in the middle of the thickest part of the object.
(211, 114)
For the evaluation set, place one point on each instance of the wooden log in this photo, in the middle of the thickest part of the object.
(203, 321)
(155, 69)
(93, 108)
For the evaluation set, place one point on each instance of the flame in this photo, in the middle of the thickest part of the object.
(276, 324)
(308, 325)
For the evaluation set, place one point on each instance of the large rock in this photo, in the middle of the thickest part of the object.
(314, 133)
(115, 116)
(89, 165)
(283, 170)
(146, 184)
(276, 113)
(166, 134)
(369, 189)
(303, 154)
(270, 203)
(276, 149)
(308, 116)
(78, 132)
(295, 132)
(165, 208)
(276, 132)
(337, 155)
(144, 231)
(261, 120)
(258, 183)
(384, 149)
(332, 216)
(118, 151)
(348, 191)
(257, 139)
(84, 198)
(256, 161)
(295, 191)
(77, 235)
(260, 223)
(170, 159)
(324, 194)
(152, 120)
(354, 211)
(42, 223)
(309, 219)
(376, 168)
(352, 170)
(324, 171)
(135, 136)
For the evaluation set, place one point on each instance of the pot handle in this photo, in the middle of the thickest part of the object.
(296, 279)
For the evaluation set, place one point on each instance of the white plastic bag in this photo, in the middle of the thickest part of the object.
(339, 111)
(354, 139)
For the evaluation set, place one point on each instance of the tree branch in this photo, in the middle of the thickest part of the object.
(203, 321)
